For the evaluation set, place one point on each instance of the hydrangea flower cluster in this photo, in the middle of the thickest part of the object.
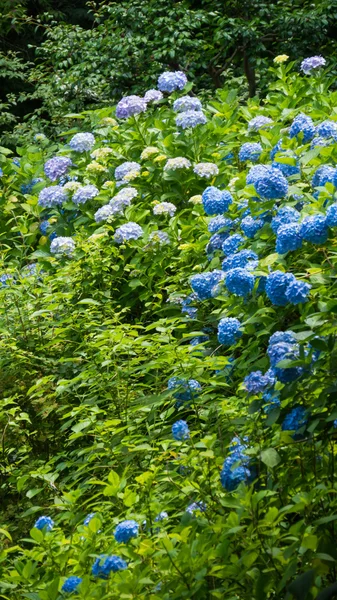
(190, 119)
(312, 63)
(62, 245)
(153, 96)
(177, 163)
(245, 259)
(103, 213)
(126, 530)
(26, 188)
(56, 167)
(203, 284)
(159, 237)
(169, 81)
(239, 282)
(185, 390)
(251, 226)
(327, 129)
(324, 174)
(259, 122)
(216, 201)
(256, 382)
(296, 419)
(284, 216)
(104, 565)
(52, 196)
(272, 185)
(219, 223)
(314, 229)
(250, 151)
(235, 468)
(180, 430)
(124, 170)
(196, 506)
(206, 170)
(71, 584)
(85, 193)
(44, 523)
(229, 331)
(82, 142)
(303, 126)
(186, 103)
(282, 346)
(256, 172)
(289, 237)
(164, 208)
(128, 231)
(232, 244)
(287, 168)
(130, 106)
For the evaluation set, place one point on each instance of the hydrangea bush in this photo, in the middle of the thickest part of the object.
(168, 348)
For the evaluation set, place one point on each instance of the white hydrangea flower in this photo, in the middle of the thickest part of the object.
(206, 170)
(177, 163)
(164, 208)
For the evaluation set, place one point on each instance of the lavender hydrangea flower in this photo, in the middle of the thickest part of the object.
(256, 382)
(239, 281)
(52, 196)
(311, 63)
(251, 226)
(284, 216)
(314, 229)
(302, 125)
(206, 170)
(128, 231)
(229, 331)
(232, 244)
(216, 201)
(44, 523)
(164, 208)
(276, 287)
(129, 106)
(104, 565)
(103, 213)
(62, 245)
(71, 584)
(272, 185)
(180, 430)
(259, 122)
(125, 169)
(85, 193)
(153, 96)
(82, 142)
(297, 292)
(289, 237)
(56, 167)
(190, 119)
(169, 81)
(250, 151)
(186, 103)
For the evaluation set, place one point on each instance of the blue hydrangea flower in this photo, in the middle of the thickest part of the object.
(216, 241)
(26, 188)
(159, 237)
(256, 172)
(229, 331)
(4, 278)
(289, 238)
(228, 158)
(126, 168)
(52, 196)
(282, 336)
(319, 141)
(272, 185)
(56, 167)
(219, 223)
(153, 96)
(71, 584)
(250, 226)
(84, 193)
(129, 106)
(62, 245)
(311, 63)
(196, 506)
(259, 122)
(44, 226)
(200, 339)
(190, 119)
(302, 125)
(284, 216)
(250, 151)
(295, 419)
(235, 468)
(190, 311)
(232, 244)
(126, 530)
(128, 231)
(16, 161)
(246, 259)
(103, 213)
(186, 390)
(288, 170)
(180, 430)
(82, 142)
(52, 236)
(272, 400)
(203, 283)
(1, 172)
(216, 201)
(163, 514)
(314, 229)
(276, 287)
(335, 424)
(327, 129)
(256, 382)
(169, 81)
(276, 149)
(187, 103)
(88, 518)
(297, 292)
(239, 281)
(29, 270)
(44, 523)
(284, 351)
(324, 174)
(331, 216)
(104, 565)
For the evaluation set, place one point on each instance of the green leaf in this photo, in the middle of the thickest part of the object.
(270, 457)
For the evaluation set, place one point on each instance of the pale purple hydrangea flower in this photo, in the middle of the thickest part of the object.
(190, 119)
(56, 167)
(129, 106)
(82, 142)
(153, 96)
(103, 213)
(84, 193)
(126, 168)
(169, 81)
(52, 196)
(186, 103)
(128, 231)
(314, 62)
(259, 122)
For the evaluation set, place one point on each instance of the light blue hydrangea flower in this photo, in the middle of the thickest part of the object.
(276, 287)
(85, 193)
(169, 81)
(153, 96)
(126, 530)
(312, 63)
(186, 103)
(103, 213)
(256, 382)
(314, 229)
(44, 523)
(239, 281)
(289, 237)
(163, 514)
(82, 142)
(88, 518)
(56, 167)
(180, 430)
(250, 226)
(259, 122)
(297, 292)
(52, 196)
(250, 151)
(62, 245)
(159, 237)
(229, 331)
(128, 231)
(104, 565)
(232, 244)
(195, 507)
(272, 185)
(302, 125)
(129, 106)
(71, 584)
(125, 168)
(285, 215)
(190, 119)
(216, 201)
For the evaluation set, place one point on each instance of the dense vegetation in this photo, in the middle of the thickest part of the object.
(168, 348)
